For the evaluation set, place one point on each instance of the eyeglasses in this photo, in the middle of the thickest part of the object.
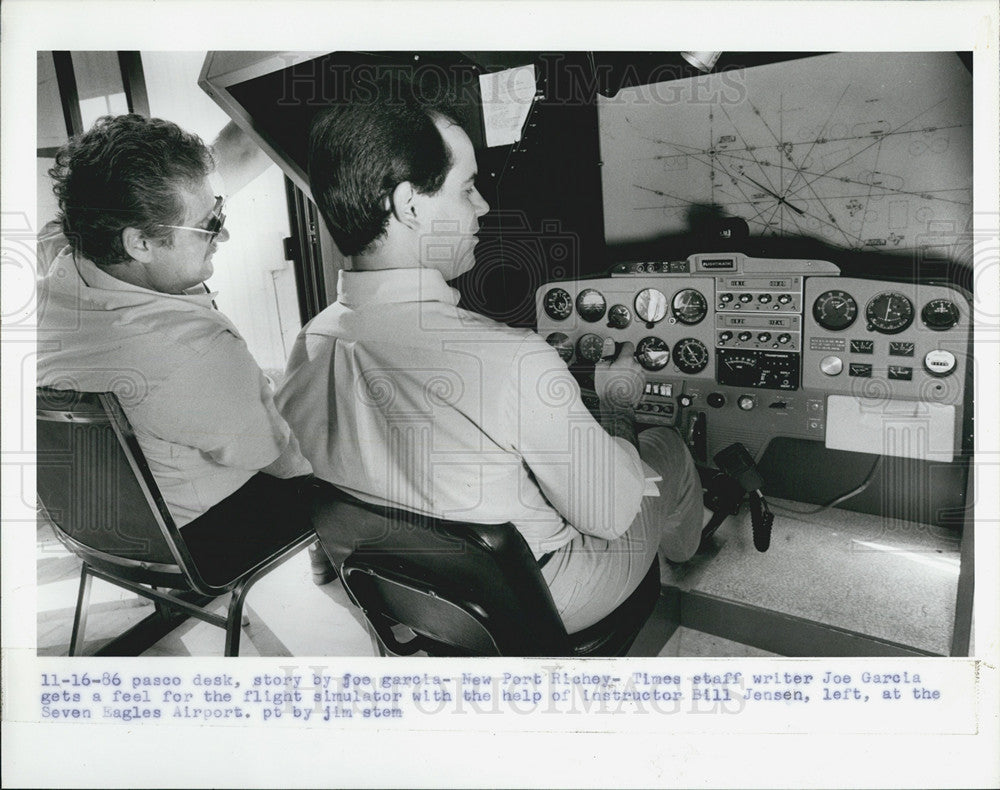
(214, 225)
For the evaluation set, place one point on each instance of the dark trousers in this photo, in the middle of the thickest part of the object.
(270, 512)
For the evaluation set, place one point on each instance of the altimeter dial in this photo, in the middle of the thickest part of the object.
(689, 306)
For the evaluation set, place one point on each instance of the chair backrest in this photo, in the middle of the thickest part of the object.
(98, 492)
(475, 589)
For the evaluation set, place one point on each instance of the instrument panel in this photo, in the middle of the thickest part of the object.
(748, 349)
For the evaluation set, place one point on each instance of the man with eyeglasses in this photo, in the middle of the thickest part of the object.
(123, 309)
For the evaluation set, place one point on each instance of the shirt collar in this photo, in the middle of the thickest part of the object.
(394, 286)
(94, 277)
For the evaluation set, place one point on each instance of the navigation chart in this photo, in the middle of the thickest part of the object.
(866, 151)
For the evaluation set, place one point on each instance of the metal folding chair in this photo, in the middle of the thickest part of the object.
(96, 489)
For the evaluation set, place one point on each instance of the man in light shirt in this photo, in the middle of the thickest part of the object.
(123, 309)
(402, 398)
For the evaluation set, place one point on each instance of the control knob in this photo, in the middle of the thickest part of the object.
(831, 365)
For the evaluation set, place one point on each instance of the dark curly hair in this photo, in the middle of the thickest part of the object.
(361, 149)
(124, 173)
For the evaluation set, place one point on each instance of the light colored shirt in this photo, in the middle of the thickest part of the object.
(202, 410)
(402, 398)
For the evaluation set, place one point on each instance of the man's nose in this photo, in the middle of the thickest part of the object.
(483, 206)
(223, 236)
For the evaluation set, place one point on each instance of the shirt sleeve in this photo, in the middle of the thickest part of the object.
(595, 481)
(50, 242)
(221, 403)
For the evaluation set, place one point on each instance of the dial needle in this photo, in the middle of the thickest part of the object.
(775, 195)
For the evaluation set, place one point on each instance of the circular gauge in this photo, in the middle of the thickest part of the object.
(619, 316)
(560, 342)
(558, 304)
(690, 355)
(650, 305)
(590, 305)
(889, 313)
(652, 353)
(835, 310)
(689, 306)
(590, 347)
(940, 314)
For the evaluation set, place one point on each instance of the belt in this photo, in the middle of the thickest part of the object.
(544, 559)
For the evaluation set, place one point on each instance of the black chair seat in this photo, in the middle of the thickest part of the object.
(613, 635)
(246, 529)
(97, 491)
(463, 589)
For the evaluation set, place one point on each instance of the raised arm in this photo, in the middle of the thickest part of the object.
(238, 159)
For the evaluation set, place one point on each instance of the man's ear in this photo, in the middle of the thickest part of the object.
(404, 204)
(136, 245)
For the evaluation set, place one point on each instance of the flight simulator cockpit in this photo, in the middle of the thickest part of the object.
(784, 238)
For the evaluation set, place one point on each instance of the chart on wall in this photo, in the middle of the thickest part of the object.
(865, 151)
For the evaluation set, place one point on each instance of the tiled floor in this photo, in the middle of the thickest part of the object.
(888, 579)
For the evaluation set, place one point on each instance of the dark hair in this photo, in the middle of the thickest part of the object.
(360, 150)
(124, 173)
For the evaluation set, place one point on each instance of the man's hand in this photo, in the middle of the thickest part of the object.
(238, 159)
(619, 383)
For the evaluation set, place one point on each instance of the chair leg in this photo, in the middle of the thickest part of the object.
(80, 617)
(236, 619)
(161, 609)
(377, 643)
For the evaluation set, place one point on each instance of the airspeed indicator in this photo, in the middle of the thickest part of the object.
(558, 304)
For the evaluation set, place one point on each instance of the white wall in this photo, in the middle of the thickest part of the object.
(256, 285)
